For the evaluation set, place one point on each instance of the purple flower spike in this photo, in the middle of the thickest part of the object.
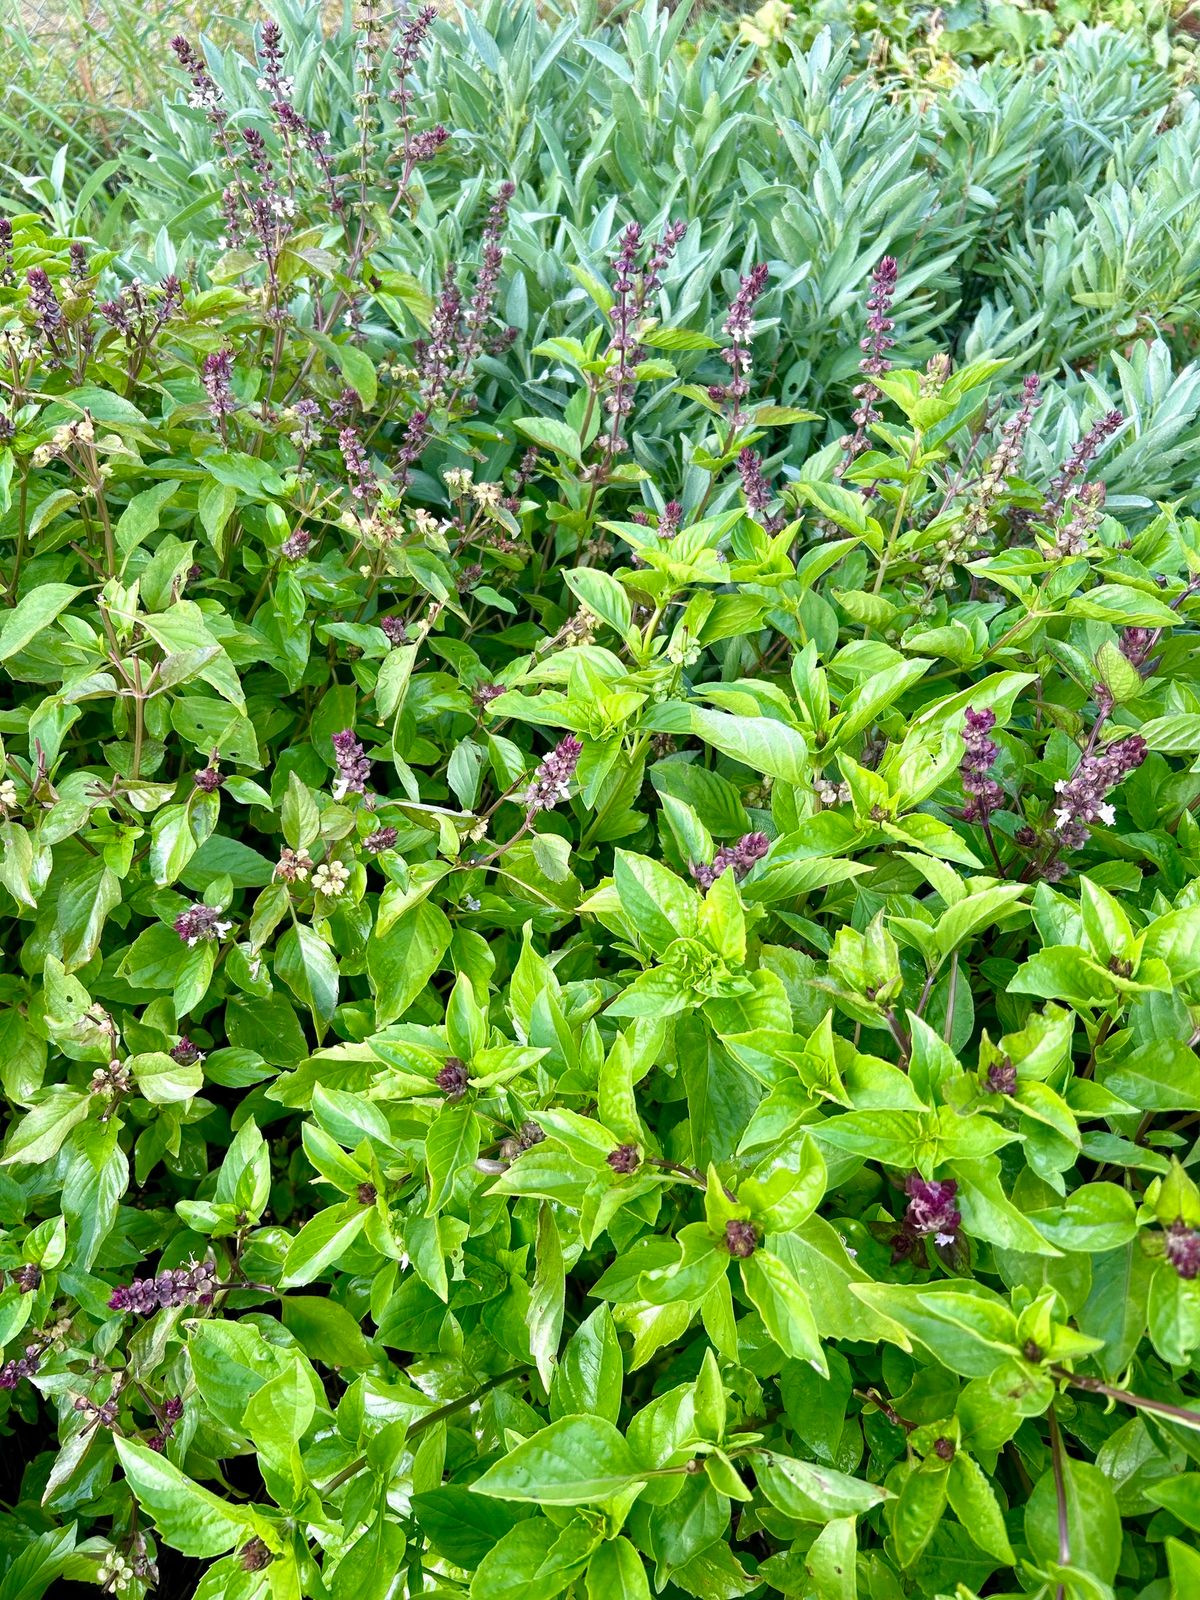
(741, 856)
(353, 767)
(931, 1208)
(975, 770)
(552, 780)
(1082, 798)
(1181, 1246)
(193, 1285)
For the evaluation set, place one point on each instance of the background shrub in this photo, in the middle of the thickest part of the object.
(597, 830)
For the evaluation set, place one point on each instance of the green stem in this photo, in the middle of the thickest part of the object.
(430, 1418)
(1140, 1402)
(1060, 1495)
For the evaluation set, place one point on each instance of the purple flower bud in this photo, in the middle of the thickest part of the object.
(1082, 798)
(28, 1277)
(43, 302)
(758, 491)
(740, 1238)
(1002, 1077)
(1137, 643)
(1181, 1246)
(295, 546)
(364, 486)
(394, 630)
(185, 1053)
(381, 839)
(931, 1208)
(875, 346)
(208, 778)
(1076, 464)
(255, 1556)
(452, 1080)
(624, 1159)
(669, 520)
(737, 328)
(367, 1194)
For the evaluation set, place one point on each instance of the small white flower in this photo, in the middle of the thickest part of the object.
(471, 903)
(331, 878)
(1107, 814)
(944, 1238)
(1062, 816)
(8, 794)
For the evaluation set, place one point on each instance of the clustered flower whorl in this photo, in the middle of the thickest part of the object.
(552, 780)
(192, 1285)
(741, 856)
